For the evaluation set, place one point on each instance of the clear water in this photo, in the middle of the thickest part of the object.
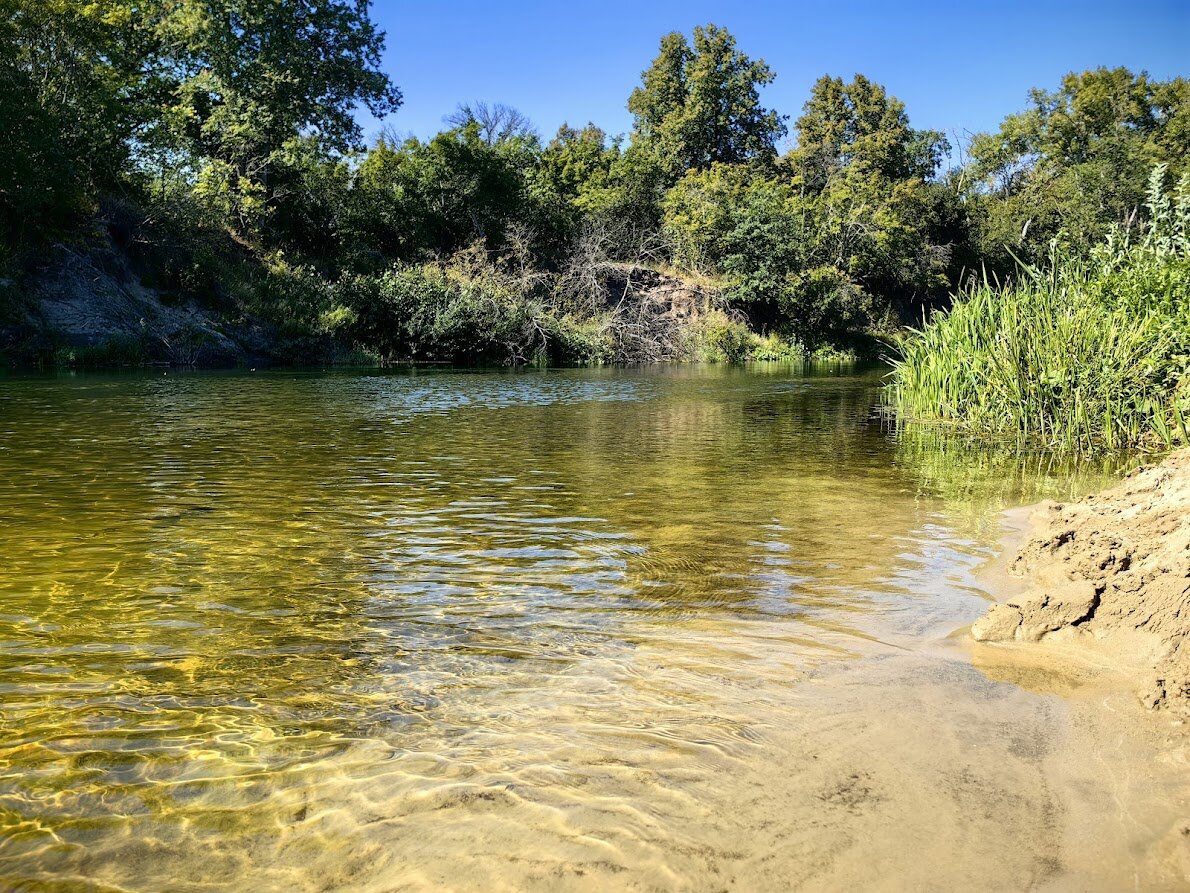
(664, 629)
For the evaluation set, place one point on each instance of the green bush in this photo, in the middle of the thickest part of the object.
(773, 348)
(464, 311)
(1086, 354)
(115, 350)
(721, 338)
(577, 342)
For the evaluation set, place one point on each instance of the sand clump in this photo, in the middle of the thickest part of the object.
(1113, 568)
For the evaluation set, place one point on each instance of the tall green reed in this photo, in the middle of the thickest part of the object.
(1084, 354)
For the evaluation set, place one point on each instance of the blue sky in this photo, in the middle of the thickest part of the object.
(957, 66)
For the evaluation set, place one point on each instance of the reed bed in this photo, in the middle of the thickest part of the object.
(1086, 354)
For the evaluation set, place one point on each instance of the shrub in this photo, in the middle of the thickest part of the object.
(721, 338)
(115, 350)
(461, 311)
(1085, 354)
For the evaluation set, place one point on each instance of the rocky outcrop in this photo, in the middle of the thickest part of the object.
(89, 301)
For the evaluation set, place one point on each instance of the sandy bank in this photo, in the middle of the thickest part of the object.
(1110, 574)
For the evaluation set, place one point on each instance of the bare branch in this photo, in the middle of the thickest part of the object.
(497, 122)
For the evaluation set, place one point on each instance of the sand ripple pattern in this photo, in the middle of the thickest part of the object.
(474, 630)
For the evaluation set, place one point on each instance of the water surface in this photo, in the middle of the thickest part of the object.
(678, 628)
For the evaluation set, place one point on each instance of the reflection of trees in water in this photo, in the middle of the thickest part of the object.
(758, 496)
(977, 480)
(241, 576)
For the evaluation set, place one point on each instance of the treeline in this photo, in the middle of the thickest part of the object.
(215, 141)
(1085, 352)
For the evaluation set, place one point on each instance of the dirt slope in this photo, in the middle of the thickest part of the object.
(1114, 566)
(90, 296)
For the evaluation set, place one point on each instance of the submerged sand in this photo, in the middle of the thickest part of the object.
(1107, 578)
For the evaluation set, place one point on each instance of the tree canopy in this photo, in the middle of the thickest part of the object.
(1076, 159)
(233, 123)
(699, 104)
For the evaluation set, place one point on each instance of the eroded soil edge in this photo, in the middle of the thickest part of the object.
(1114, 569)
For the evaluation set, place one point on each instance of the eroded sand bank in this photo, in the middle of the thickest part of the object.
(1107, 580)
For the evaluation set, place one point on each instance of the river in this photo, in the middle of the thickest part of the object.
(677, 628)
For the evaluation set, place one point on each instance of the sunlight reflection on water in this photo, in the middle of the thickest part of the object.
(491, 630)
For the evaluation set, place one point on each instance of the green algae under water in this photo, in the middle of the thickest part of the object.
(664, 629)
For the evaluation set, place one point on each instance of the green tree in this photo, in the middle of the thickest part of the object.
(848, 228)
(858, 127)
(1075, 162)
(72, 81)
(251, 77)
(419, 200)
(699, 104)
(577, 164)
(757, 233)
(311, 191)
(865, 178)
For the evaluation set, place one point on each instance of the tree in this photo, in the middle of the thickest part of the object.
(419, 200)
(844, 227)
(577, 163)
(758, 234)
(250, 77)
(497, 123)
(1075, 161)
(311, 188)
(859, 127)
(699, 104)
(72, 80)
(864, 176)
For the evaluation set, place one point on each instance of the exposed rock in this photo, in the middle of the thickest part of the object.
(91, 298)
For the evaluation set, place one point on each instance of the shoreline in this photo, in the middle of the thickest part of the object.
(1124, 757)
(1103, 581)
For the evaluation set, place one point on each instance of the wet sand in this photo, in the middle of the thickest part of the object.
(1108, 577)
(1094, 609)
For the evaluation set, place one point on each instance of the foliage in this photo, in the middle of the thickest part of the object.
(248, 78)
(720, 338)
(847, 225)
(215, 144)
(420, 199)
(466, 310)
(865, 177)
(577, 164)
(497, 122)
(1074, 163)
(69, 100)
(752, 232)
(1083, 354)
(699, 104)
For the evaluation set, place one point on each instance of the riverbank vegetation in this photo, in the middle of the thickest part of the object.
(208, 154)
(1081, 352)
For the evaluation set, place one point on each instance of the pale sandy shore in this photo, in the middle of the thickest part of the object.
(1096, 610)
(1109, 576)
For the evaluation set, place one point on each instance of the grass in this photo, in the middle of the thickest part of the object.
(113, 352)
(1087, 354)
